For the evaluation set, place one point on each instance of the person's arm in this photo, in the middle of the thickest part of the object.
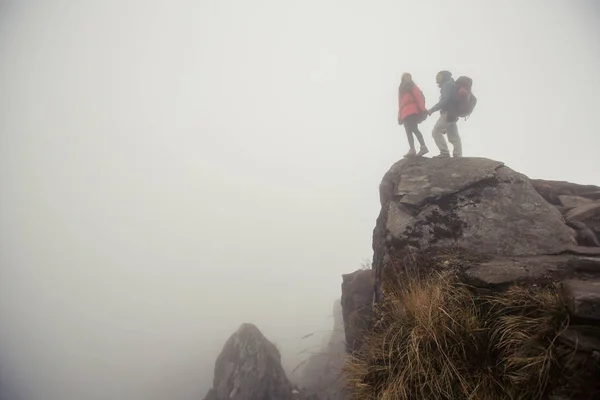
(418, 95)
(446, 94)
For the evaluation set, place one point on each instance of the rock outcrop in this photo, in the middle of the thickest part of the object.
(473, 203)
(357, 300)
(320, 376)
(485, 207)
(496, 229)
(580, 206)
(249, 368)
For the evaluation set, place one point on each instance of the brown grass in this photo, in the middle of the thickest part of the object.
(435, 339)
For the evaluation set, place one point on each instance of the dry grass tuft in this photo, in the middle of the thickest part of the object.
(435, 339)
(524, 326)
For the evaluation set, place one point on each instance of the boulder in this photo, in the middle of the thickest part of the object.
(584, 235)
(569, 201)
(594, 195)
(580, 206)
(473, 203)
(551, 190)
(535, 270)
(584, 250)
(249, 368)
(584, 212)
(582, 298)
(357, 299)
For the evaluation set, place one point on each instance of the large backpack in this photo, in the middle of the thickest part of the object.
(466, 100)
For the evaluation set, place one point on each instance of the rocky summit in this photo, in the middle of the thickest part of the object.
(522, 227)
(512, 247)
(474, 203)
(249, 368)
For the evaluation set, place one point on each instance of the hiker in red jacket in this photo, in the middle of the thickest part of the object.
(411, 113)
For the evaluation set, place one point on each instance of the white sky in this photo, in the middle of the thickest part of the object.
(169, 170)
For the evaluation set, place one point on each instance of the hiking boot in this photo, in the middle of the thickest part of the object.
(442, 155)
(411, 153)
(422, 151)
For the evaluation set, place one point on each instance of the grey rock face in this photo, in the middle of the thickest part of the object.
(570, 201)
(474, 203)
(249, 368)
(357, 299)
(580, 205)
(506, 271)
(584, 235)
(552, 190)
(582, 298)
(584, 212)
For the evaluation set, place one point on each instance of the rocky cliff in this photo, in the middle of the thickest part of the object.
(249, 368)
(486, 284)
(579, 204)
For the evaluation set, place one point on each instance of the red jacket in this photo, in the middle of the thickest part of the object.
(410, 103)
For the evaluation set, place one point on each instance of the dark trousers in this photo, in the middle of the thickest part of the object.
(411, 127)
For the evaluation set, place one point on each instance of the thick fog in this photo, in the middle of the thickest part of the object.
(171, 169)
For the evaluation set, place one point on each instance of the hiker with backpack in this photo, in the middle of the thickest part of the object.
(456, 100)
(411, 112)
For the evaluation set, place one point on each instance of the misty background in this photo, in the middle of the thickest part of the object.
(170, 170)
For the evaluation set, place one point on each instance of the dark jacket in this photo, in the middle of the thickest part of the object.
(448, 96)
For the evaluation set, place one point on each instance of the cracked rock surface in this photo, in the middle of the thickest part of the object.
(473, 203)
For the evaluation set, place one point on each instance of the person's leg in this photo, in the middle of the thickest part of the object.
(419, 136)
(423, 150)
(438, 135)
(454, 138)
(409, 135)
(409, 126)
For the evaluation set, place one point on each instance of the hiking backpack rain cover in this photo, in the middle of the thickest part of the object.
(466, 98)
